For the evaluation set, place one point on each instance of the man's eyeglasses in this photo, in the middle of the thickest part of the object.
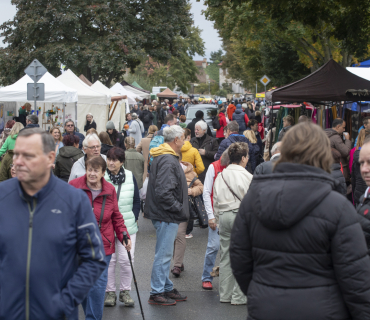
(70, 125)
(94, 147)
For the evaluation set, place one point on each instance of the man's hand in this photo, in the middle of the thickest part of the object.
(202, 152)
(190, 192)
(128, 245)
(212, 224)
(346, 135)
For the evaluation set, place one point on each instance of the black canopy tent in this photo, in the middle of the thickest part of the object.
(331, 82)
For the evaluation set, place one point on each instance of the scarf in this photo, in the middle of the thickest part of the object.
(119, 178)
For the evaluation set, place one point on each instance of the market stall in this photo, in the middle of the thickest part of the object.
(143, 94)
(49, 111)
(132, 97)
(118, 107)
(89, 101)
(167, 94)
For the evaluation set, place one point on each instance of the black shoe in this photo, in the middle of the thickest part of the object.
(176, 271)
(161, 299)
(175, 295)
(182, 268)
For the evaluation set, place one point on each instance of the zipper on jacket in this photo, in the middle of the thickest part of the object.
(91, 245)
(110, 243)
(30, 227)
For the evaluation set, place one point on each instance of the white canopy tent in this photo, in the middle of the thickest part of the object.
(130, 95)
(89, 101)
(141, 94)
(361, 72)
(119, 106)
(56, 93)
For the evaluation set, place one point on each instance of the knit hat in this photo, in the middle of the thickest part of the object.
(238, 106)
(110, 125)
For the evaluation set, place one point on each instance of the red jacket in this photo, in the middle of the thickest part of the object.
(230, 111)
(223, 124)
(112, 218)
(218, 168)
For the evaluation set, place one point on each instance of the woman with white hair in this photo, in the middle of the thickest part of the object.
(91, 148)
(136, 129)
(206, 145)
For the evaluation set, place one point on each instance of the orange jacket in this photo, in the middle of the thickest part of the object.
(230, 110)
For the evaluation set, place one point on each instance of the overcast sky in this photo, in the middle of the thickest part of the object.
(209, 34)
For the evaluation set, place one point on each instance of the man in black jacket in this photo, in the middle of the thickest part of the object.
(206, 145)
(167, 206)
(267, 166)
(199, 115)
(147, 118)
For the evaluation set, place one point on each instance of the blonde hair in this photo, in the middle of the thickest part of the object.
(56, 128)
(91, 131)
(300, 145)
(250, 135)
(16, 128)
(130, 142)
(152, 129)
(361, 138)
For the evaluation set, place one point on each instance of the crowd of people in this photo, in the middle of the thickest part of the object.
(282, 214)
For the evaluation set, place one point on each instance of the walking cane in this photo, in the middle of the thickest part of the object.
(133, 273)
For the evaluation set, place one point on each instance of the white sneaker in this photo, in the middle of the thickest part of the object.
(188, 236)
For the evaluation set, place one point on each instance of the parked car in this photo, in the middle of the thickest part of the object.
(205, 98)
(209, 111)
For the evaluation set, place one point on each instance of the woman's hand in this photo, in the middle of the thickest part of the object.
(190, 192)
(128, 245)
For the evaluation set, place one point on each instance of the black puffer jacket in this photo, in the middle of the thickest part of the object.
(145, 115)
(297, 250)
(105, 148)
(358, 184)
(338, 176)
(210, 145)
(267, 167)
(167, 195)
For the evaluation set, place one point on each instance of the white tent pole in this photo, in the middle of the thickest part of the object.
(76, 114)
(64, 114)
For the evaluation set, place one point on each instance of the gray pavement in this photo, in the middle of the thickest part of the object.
(201, 304)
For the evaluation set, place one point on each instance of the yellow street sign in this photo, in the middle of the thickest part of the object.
(265, 80)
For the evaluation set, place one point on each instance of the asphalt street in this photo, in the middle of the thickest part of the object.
(201, 304)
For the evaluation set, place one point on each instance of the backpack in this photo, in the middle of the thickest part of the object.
(147, 117)
(156, 141)
(216, 123)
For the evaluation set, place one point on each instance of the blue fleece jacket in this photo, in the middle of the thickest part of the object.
(41, 238)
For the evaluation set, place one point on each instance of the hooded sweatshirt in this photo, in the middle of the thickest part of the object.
(67, 156)
(191, 155)
(298, 254)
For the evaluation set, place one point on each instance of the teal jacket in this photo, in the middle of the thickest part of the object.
(126, 200)
(9, 144)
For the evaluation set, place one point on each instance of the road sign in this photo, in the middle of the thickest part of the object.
(36, 91)
(265, 80)
(35, 70)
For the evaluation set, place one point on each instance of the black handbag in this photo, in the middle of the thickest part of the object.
(197, 209)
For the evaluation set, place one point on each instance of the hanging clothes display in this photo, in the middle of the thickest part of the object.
(334, 111)
(314, 117)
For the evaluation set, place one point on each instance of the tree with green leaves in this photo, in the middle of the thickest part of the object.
(99, 38)
(316, 31)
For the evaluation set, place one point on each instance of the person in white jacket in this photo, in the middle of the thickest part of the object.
(229, 189)
(136, 129)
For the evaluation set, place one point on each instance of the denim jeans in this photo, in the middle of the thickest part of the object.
(213, 246)
(166, 235)
(93, 304)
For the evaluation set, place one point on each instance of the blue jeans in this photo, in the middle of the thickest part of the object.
(93, 304)
(213, 246)
(166, 235)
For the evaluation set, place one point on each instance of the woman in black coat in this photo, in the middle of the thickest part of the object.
(297, 249)
(90, 123)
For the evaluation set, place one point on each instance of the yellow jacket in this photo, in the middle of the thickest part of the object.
(191, 155)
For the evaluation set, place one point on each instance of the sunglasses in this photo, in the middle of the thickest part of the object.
(70, 125)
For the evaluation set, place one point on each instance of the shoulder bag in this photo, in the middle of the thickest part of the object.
(197, 209)
(233, 193)
(102, 211)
